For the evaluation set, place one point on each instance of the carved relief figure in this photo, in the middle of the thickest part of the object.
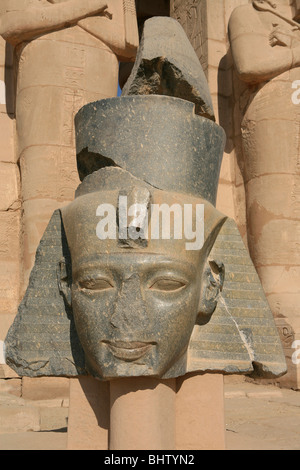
(67, 54)
(265, 42)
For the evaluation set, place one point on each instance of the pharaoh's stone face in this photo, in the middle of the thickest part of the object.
(134, 307)
(135, 312)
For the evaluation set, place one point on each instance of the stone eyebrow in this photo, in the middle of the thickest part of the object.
(109, 262)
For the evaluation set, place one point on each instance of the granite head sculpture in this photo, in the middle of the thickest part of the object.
(137, 272)
(140, 275)
(136, 296)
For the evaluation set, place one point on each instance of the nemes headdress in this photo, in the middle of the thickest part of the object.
(161, 134)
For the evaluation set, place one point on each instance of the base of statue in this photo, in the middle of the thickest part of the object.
(147, 414)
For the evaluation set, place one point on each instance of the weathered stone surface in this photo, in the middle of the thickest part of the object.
(71, 58)
(11, 386)
(167, 64)
(45, 388)
(16, 418)
(96, 305)
(240, 338)
(89, 411)
(40, 341)
(7, 153)
(9, 191)
(167, 145)
(265, 49)
(22, 415)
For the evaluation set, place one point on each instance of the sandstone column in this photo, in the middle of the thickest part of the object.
(142, 414)
(10, 207)
(63, 63)
(78, 69)
(147, 414)
(266, 51)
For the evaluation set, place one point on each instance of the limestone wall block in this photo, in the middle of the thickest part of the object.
(273, 138)
(273, 196)
(9, 294)
(9, 236)
(7, 149)
(19, 419)
(217, 54)
(216, 21)
(46, 124)
(276, 242)
(69, 64)
(12, 386)
(9, 186)
(280, 279)
(45, 388)
(7, 318)
(49, 172)
(225, 202)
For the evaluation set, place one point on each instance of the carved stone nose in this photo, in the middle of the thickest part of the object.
(130, 311)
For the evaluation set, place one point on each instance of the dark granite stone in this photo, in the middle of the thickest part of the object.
(158, 139)
(166, 64)
(145, 307)
(240, 336)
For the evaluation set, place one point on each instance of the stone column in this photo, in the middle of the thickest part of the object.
(147, 414)
(142, 414)
(10, 207)
(58, 74)
(205, 23)
(266, 72)
(88, 425)
(272, 183)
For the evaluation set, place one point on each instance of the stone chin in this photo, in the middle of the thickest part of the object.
(133, 360)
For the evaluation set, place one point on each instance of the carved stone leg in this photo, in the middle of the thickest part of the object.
(271, 132)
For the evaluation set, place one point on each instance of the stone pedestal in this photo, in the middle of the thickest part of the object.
(147, 414)
(200, 419)
(143, 414)
(88, 414)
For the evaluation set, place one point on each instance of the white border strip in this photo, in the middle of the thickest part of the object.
(2, 352)
(2, 92)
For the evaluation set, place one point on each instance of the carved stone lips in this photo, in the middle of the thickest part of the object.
(129, 351)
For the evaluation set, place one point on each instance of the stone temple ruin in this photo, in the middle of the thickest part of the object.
(123, 313)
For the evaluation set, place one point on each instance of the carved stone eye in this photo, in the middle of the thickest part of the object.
(95, 284)
(167, 285)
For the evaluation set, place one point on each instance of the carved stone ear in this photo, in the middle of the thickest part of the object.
(212, 285)
(64, 280)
